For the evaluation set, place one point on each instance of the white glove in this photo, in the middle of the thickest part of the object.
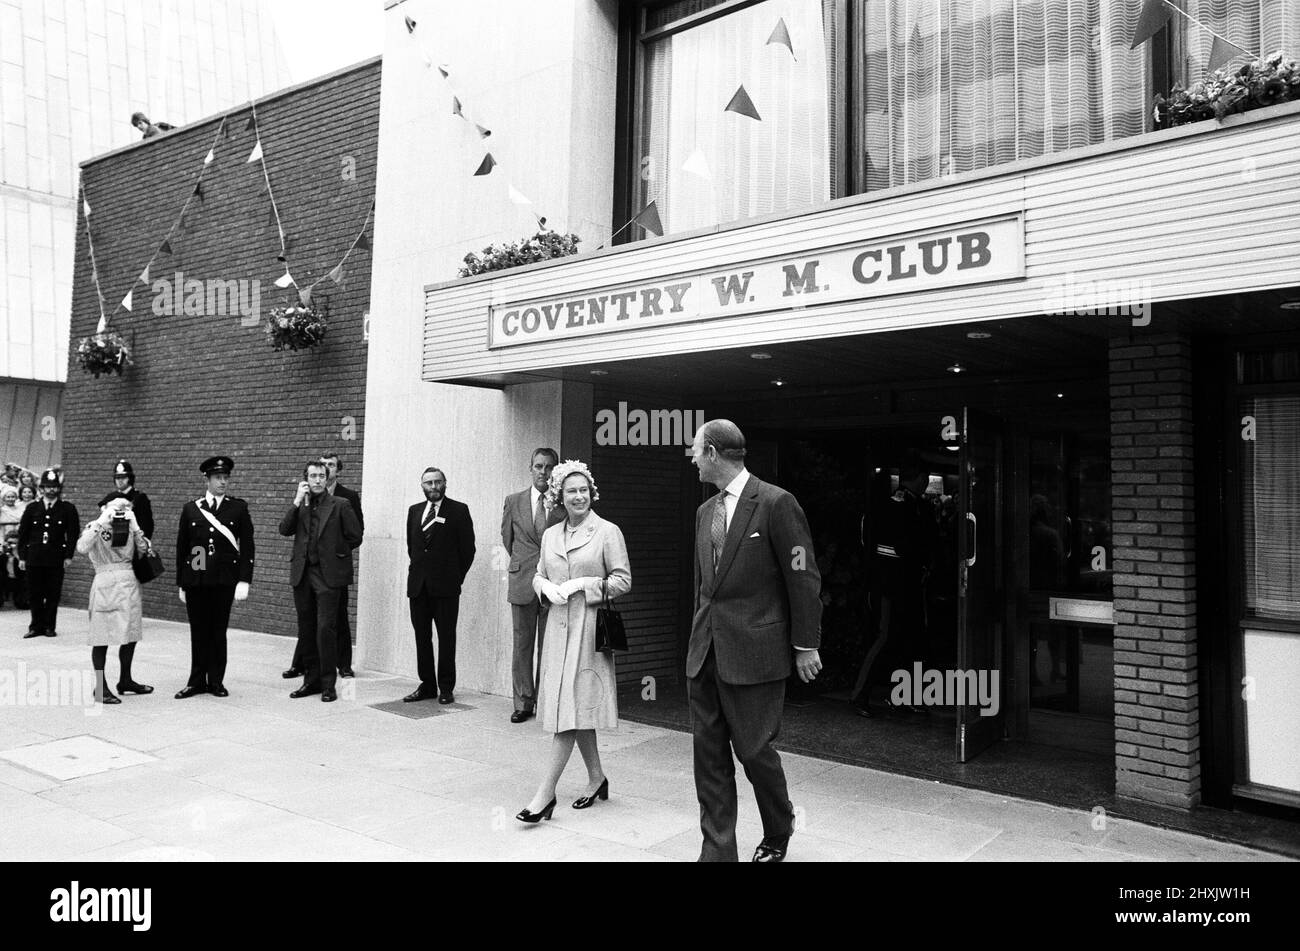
(573, 586)
(181, 593)
(241, 591)
(552, 593)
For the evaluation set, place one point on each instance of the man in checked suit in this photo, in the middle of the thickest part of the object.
(756, 604)
(526, 516)
(440, 543)
(214, 567)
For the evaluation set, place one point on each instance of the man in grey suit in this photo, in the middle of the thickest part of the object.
(756, 604)
(526, 516)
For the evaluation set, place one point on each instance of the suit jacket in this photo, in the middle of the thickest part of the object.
(441, 556)
(338, 531)
(60, 525)
(341, 491)
(521, 541)
(763, 599)
(220, 563)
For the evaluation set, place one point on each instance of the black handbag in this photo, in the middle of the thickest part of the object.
(610, 635)
(147, 565)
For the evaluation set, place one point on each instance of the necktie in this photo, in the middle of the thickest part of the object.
(539, 516)
(433, 513)
(204, 505)
(718, 531)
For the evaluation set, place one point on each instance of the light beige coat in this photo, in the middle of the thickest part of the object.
(578, 690)
(116, 609)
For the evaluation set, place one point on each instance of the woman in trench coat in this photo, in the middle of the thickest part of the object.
(582, 557)
(116, 611)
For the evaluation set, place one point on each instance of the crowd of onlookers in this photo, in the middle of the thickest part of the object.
(17, 491)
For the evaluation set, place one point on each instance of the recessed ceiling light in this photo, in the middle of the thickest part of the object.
(1290, 304)
(778, 382)
(760, 356)
(1060, 396)
(600, 373)
(978, 335)
(956, 368)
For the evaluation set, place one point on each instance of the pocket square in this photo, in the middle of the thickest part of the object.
(755, 535)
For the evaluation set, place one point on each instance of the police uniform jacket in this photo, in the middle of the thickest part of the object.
(221, 562)
(48, 537)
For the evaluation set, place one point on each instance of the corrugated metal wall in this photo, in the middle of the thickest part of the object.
(31, 424)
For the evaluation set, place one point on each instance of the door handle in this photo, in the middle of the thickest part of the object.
(974, 539)
(1069, 538)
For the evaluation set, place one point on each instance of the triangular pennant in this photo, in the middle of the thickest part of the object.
(207, 159)
(165, 247)
(648, 218)
(518, 197)
(1155, 14)
(144, 275)
(126, 301)
(742, 104)
(198, 191)
(102, 325)
(485, 167)
(225, 130)
(304, 295)
(336, 275)
(256, 154)
(697, 164)
(285, 281)
(85, 207)
(363, 242)
(455, 107)
(272, 219)
(410, 25)
(252, 123)
(541, 220)
(443, 69)
(482, 132)
(1221, 51)
(781, 35)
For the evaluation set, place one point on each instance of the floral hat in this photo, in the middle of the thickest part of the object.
(561, 472)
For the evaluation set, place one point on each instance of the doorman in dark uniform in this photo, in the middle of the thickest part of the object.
(47, 540)
(214, 567)
(124, 488)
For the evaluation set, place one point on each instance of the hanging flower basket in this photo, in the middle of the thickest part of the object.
(543, 246)
(103, 353)
(1265, 82)
(296, 327)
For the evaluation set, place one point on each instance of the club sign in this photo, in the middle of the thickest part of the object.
(973, 253)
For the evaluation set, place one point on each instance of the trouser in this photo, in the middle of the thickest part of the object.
(746, 717)
(428, 611)
(530, 628)
(318, 611)
(208, 609)
(343, 641)
(45, 588)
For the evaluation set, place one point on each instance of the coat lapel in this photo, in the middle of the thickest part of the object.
(745, 507)
(583, 535)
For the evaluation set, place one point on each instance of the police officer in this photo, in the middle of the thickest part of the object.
(214, 567)
(124, 481)
(47, 540)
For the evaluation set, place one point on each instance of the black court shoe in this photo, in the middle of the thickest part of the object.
(130, 686)
(107, 698)
(546, 813)
(584, 802)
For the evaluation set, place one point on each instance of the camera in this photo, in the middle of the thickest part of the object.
(120, 526)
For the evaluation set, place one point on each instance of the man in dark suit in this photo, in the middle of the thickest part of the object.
(333, 466)
(47, 540)
(214, 567)
(325, 530)
(440, 543)
(526, 516)
(756, 603)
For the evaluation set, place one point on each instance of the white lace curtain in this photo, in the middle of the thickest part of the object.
(1270, 517)
(1260, 26)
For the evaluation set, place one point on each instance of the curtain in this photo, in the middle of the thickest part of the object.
(704, 165)
(956, 85)
(1260, 26)
(1270, 517)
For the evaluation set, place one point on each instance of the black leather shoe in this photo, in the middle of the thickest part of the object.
(346, 672)
(519, 716)
(130, 686)
(772, 848)
(292, 672)
(219, 691)
(864, 710)
(107, 698)
(186, 692)
(32, 632)
(447, 698)
(546, 813)
(51, 633)
(584, 802)
(306, 690)
(418, 695)
(328, 695)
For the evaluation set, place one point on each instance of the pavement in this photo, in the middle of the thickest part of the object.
(257, 776)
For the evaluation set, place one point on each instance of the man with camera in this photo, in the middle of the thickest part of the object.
(325, 530)
(47, 540)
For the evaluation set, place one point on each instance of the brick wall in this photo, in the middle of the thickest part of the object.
(1157, 730)
(203, 385)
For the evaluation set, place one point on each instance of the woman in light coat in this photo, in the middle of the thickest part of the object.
(116, 611)
(582, 557)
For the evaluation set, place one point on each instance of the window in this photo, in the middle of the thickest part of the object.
(1270, 518)
(1260, 26)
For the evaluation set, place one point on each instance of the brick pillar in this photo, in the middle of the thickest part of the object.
(1157, 730)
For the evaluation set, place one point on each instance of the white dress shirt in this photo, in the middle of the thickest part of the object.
(430, 505)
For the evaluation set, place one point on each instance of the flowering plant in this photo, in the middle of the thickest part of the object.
(296, 326)
(103, 353)
(543, 246)
(1265, 82)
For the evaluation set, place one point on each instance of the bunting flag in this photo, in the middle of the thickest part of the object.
(336, 275)
(443, 69)
(102, 325)
(85, 207)
(126, 301)
(482, 132)
(518, 197)
(648, 218)
(697, 164)
(781, 36)
(252, 122)
(165, 247)
(363, 242)
(455, 107)
(207, 160)
(1221, 51)
(410, 25)
(198, 191)
(256, 154)
(1155, 14)
(304, 295)
(485, 167)
(286, 280)
(743, 105)
(144, 275)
